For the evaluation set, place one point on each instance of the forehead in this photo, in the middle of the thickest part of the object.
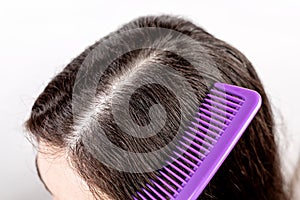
(59, 177)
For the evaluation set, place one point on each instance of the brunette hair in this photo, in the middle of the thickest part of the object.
(251, 171)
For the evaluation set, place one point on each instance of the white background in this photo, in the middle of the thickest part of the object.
(38, 38)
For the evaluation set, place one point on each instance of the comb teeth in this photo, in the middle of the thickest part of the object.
(218, 124)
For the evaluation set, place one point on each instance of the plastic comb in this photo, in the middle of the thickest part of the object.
(222, 118)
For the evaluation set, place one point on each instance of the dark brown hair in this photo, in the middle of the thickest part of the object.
(251, 171)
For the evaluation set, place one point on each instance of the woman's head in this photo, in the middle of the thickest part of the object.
(153, 72)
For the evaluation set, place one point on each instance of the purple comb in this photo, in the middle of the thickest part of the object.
(221, 120)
